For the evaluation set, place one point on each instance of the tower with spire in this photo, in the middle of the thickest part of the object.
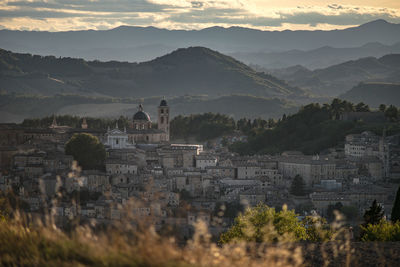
(54, 123)
(84, 124)
(163, 118)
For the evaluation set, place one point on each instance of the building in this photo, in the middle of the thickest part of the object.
(117, 139)
(141, 130)
(311, 169)
(362, 145)
(203, 161)
(163, 118)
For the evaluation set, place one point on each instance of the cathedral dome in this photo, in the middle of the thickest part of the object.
(141, 115)
(163, 103)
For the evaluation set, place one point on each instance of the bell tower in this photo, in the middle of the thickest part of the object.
(163, 118)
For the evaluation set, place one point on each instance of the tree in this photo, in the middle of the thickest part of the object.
(382, 108)
(331, 208)
(317, 228)
(336, 108)
(87, 150)
(264, 224)
(391, 113)
(383, 231)
(374, 214)
(361, 107)
(298, 186)
(396, 207)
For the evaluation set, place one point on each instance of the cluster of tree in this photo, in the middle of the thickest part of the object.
(312, 129)
(248, 125)
(391, 112)
(76, 122)
(201, 126)
(87, 150)
(377, 228)
(46, 64)
(265, 224)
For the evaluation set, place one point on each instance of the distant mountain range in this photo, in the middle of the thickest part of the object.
(317, 58)
(338, 79)
(374, 94)
(132, 44)
(190, 71)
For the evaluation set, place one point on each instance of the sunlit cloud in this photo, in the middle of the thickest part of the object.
(59, 15)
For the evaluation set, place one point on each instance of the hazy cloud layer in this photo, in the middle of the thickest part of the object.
(55, 15)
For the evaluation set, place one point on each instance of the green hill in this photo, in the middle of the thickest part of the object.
(374, 94)
(338, 79)
(188, 71)
(313, 129)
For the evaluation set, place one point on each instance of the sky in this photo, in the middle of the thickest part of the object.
(59, 15)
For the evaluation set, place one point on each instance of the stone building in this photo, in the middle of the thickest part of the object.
(141, 130)
(311, 169)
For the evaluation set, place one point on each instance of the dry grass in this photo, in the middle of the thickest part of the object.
(42, 244)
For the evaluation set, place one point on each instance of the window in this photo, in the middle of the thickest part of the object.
(162, 120)
(162, 111)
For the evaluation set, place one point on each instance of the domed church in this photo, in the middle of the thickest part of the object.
(141, 130)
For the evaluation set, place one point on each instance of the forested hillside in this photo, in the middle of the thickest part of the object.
(374, 93)
(337, 79)
(189, 71)
(315, 128)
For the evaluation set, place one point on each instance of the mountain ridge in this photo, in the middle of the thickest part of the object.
(337, 79)
(321, 57)
(374, 93)
(120, 43)
(193, 70)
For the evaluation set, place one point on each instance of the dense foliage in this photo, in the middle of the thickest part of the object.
(396, 207)
(87, 150)
(192, 70)
(203, 126)
(382, 231)
(76, 122)
(265, 224)
(297, 187)
(314, 128)
(374, 214)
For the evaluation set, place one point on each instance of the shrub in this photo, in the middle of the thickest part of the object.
(383, 231)
(265, 224)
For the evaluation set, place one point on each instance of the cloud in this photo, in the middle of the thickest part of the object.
(57, 15)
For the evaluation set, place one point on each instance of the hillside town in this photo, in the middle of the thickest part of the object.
(148, 178)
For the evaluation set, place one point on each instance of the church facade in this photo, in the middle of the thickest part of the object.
(141, 129)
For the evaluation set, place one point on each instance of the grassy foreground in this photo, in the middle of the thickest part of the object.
(45, 245)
